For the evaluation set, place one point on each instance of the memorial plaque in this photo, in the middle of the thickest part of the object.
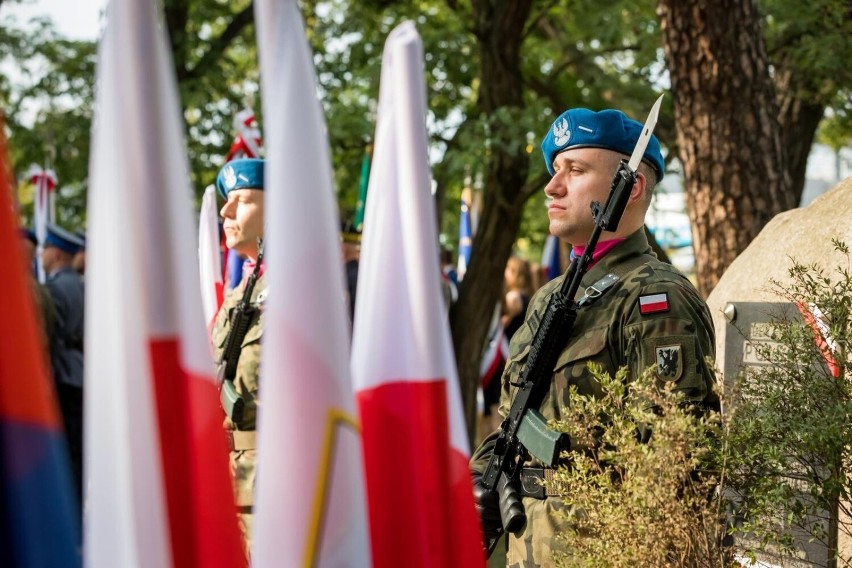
(748, 335)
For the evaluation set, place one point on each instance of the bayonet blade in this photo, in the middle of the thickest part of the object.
(645, 137)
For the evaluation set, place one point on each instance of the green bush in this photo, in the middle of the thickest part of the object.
(640, 501)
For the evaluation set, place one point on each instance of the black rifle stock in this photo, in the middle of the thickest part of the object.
(524, 432)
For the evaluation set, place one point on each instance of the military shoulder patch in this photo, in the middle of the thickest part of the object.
(653, 303)
(669, 362)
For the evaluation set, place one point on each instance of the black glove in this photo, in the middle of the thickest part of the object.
(488, 509)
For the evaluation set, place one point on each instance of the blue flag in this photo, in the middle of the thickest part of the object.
(551, 258)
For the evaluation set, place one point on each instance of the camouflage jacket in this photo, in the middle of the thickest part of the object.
(246, 379)
(246, 383)
(652, 315)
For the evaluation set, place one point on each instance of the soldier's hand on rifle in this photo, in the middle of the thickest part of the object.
(488, 508)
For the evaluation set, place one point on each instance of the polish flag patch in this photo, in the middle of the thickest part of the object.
(653, 303)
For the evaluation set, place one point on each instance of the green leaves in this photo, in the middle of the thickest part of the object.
(640, 488)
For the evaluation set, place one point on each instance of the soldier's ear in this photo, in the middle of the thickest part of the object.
(637, 193)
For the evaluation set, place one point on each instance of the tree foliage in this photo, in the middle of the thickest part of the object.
(47, 102)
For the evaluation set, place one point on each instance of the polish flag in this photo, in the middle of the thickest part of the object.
(415, 443)
(653, 303)
(310, 505)
(209, 257)
(158, 491)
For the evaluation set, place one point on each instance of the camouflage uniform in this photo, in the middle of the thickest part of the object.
(614, 333)
(241, 436)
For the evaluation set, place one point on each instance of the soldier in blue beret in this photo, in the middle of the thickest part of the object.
(66, 290)
(650, 314)
(240, 182)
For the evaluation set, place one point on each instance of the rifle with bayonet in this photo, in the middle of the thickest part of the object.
(524, 432)
(241, 317)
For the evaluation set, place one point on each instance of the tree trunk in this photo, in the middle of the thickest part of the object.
(729, 139)
(499, 29)
(799, 116)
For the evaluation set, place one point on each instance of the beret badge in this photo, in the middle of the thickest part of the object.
(561, 134)
(230, 177)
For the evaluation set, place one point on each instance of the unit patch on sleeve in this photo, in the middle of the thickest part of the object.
(653, 303)
(669, 362)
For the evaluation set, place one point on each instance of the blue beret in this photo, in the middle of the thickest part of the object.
(62, 239)
(610, 129)
(246, 173)
(82, 236)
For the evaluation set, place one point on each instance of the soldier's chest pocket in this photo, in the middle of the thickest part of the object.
(572, 365)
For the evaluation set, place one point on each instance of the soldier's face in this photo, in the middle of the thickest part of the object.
(243, 220)
(582, 175)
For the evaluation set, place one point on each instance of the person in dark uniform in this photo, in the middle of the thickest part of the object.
(66, 291)
(652, 314)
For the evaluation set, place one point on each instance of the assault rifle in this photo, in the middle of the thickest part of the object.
(232, 403)
(524, 432)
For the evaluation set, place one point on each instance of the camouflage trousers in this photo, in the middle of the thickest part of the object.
(536, 545)
(243, 474)
(245, 518)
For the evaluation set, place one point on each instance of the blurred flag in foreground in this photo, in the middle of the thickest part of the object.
(39, 520)
(158, 488)
(415, 442)
(310, 503)
(209, 256)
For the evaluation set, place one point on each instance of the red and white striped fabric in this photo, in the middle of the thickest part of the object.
(209, 257)
(158, 491)
(45, 182)
(310, 505)
(248, 142)
(653, 303)
(415, 442)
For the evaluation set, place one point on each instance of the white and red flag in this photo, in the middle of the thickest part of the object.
(310, 506)
(247, 143)
(210, 257)
(45, 182)
(415, 443)
(158, 491)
